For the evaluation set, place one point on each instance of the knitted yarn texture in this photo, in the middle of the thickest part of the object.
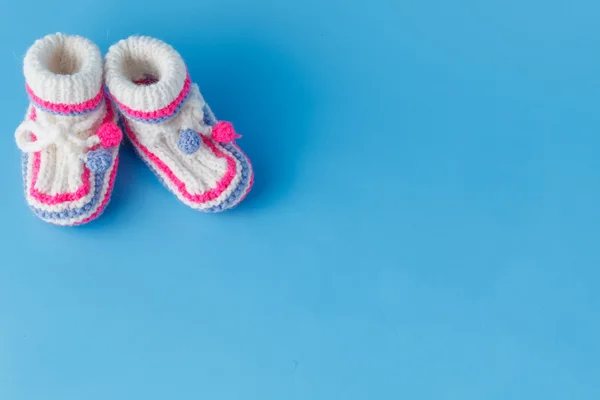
(69, 138)
(172, 128)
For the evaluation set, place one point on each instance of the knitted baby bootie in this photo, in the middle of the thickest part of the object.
(172, 128)
(69, 138)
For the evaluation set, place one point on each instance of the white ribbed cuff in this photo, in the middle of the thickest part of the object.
(63, 70)
(147, 78)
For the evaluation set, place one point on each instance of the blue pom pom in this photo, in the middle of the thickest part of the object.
(98, 160)
(189, 141)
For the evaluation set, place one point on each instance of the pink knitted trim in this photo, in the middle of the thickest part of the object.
(65, 108)
(81, 192)
(195, 198)
(165, 111)
(111, 184)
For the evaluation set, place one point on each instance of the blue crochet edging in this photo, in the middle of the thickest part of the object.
(242, 187)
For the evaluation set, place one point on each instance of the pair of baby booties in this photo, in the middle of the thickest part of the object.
(79, 109)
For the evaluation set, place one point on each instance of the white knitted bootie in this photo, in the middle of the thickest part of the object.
(69, 138)
(172, 128)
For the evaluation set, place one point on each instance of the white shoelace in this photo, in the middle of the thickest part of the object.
(63, 134)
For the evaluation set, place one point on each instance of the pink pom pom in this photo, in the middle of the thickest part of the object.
(110, 135)
(223, 132)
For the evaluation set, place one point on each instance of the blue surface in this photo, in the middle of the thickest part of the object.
(424, 223)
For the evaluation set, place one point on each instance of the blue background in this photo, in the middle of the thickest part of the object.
(424, 223)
